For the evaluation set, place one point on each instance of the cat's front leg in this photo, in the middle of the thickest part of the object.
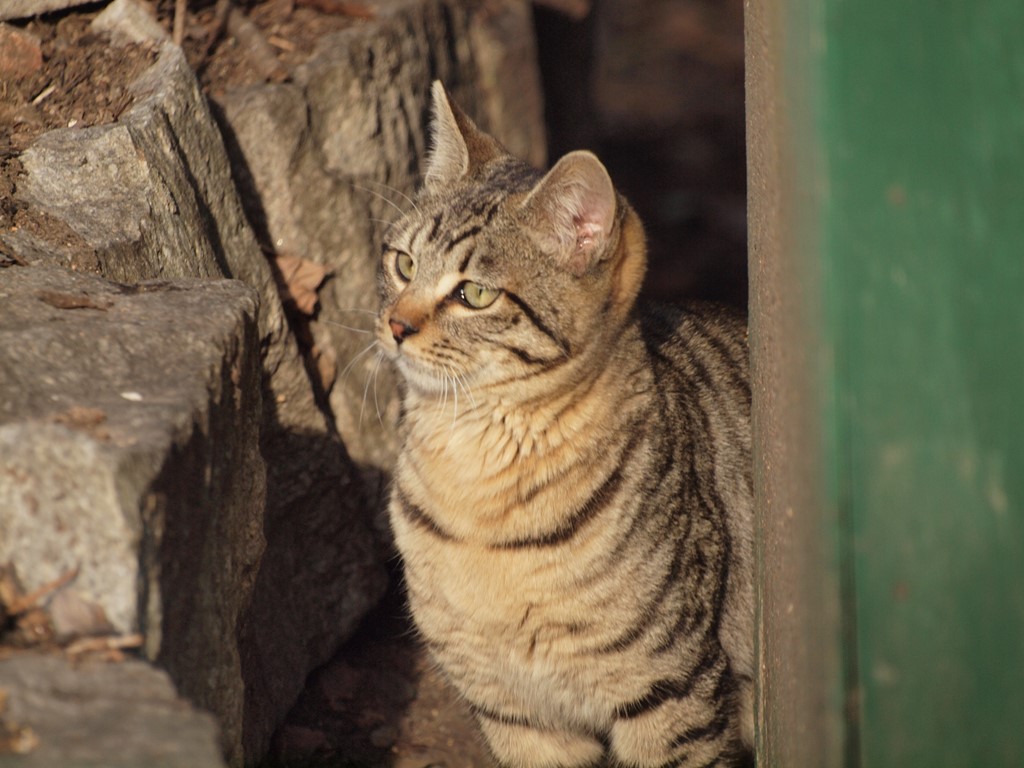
(677, 733)
(519, 745)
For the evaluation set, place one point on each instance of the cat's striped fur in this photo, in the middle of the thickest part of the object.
(572, 501)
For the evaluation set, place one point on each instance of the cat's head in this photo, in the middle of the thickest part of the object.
(498, 272)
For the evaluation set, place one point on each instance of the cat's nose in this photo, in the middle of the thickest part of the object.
(401, 330)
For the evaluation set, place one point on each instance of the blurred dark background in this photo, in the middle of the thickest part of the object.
(655, 89)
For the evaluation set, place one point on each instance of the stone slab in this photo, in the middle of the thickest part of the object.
(24, 9)
(153, 196)
(129, 449)
(91, 714)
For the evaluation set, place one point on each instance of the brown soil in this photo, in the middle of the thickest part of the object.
(288, 29)
(83, 81)
(380, 702)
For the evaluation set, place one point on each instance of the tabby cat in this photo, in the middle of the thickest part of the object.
(572, 501)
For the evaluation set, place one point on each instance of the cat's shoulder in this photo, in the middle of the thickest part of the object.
(666, 327)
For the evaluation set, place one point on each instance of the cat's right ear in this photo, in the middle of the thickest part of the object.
(572, 210)
(458, 145)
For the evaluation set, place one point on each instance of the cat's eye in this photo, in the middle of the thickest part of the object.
(405, 266)
(477, 296)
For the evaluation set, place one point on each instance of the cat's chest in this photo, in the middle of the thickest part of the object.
(513, 615)
(511, 608)
(469, 472)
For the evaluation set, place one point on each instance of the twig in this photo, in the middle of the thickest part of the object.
(342, 8)
(220, 22)
(280, 42)
(178, 33)
(93, 644)
(25, 602)
(44, 93)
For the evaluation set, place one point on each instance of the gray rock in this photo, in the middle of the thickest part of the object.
(153, 196)
(129, 448)
(129, 21)
(327, 218)
(23, 9)
(84, 715)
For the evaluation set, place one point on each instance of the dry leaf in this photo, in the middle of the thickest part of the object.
(26, 621)
(107, 647)
(84, 419)
(22, 603)
(74, 616)
(64, 300)
(17, 739)
(298, 281)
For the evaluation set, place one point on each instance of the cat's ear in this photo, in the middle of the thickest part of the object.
(458, 146)
(572, 210)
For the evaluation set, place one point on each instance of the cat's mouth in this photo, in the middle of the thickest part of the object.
(418, 371)
(425, 377)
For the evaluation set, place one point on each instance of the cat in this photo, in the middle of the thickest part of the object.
(572, 501)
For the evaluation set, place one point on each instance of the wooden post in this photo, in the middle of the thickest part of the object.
(886, 198)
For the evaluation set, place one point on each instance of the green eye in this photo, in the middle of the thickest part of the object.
(477, 296)
(405, 266)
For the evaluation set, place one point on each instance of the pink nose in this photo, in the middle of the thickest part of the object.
(401, 330)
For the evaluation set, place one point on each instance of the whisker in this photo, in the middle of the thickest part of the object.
(455, 399)
(444, 382)
(346, 327)
(387, 200)
(455, 392)
(366, 389)
(376, 370)
(398, 192)
(469, 391)
(355, 359)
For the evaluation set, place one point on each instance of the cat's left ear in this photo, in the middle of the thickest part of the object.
(572, 211)
(458, 145)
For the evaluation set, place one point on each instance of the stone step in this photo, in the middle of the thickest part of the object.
(116, 715)
(129, 450)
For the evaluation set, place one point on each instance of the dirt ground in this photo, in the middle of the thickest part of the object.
(678, 156)
(379, 703)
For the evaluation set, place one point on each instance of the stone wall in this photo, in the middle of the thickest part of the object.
(160, 429)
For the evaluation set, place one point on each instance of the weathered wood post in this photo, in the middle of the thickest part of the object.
(886, 151)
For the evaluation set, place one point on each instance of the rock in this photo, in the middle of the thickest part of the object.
(129, 448)
(129, 21)
(23, 9)
(126, 715)
(153, 196)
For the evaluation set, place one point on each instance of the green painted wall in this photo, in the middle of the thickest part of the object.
(897, 132)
